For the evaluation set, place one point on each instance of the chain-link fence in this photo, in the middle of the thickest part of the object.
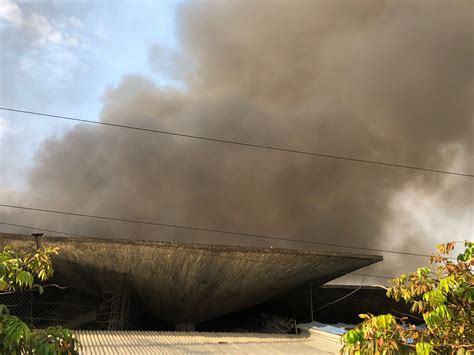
(69, 308)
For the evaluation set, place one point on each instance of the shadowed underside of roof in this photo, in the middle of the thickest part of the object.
(190, 283)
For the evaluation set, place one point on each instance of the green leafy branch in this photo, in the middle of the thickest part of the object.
(27, 271)
(442, 295)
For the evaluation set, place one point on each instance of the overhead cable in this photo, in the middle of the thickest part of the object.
(177, 250)
(211, 230)
(226, 141)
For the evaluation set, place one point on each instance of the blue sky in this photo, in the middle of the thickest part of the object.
(59, 58)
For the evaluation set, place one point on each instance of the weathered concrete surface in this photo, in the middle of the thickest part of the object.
(190, 283)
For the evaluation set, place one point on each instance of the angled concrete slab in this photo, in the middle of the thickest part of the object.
(190, 283)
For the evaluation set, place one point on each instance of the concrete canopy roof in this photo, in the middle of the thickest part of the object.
(190, 283)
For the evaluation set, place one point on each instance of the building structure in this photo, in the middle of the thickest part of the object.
(183, 283)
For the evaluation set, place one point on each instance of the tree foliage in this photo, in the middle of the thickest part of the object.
(443, 295)
(27, 271)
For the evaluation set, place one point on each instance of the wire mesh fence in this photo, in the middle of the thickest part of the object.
(69, 308)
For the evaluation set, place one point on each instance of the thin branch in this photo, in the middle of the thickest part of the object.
(407, 314)
(55, 285)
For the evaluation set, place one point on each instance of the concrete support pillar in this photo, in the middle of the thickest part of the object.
(185, 327)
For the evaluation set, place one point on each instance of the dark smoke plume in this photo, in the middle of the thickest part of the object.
(388, 81)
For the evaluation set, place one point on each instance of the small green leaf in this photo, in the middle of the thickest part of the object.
(424, 348)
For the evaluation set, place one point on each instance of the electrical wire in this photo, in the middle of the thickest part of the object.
(377, 276)
(341, 298)
(226, 141)
(251, 235)
(161, 246)
(177, 250)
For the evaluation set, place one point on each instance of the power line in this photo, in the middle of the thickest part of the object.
(218, 140)
(251, 235)
(44, 230)
(88, 236)
(178, 250)
(168, 247)
(341, 298)
(163, 246)
(377, 276)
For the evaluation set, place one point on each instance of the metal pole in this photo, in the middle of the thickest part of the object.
(311, 300)
(37, 236)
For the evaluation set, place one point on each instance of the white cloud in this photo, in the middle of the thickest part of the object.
(6, 127)
(53, 50)
(11, 12)
(32, 24)
(74, 21)
(99, 32)
(26, 64)
(55, 37)
(35, 26)
(72, 41)
(38, 24)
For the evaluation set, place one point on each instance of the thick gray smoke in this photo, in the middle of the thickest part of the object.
(385, 81)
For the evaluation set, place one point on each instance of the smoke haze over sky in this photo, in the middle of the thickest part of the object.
(387, 81)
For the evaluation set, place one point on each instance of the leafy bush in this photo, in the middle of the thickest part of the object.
(25, 271)
(442, 295)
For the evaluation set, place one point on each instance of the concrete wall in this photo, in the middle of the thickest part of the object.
(190, 283)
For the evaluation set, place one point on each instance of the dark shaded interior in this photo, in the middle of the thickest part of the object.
(111, 310)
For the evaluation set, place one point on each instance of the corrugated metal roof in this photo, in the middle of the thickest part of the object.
(337, 329)
(142, 342)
